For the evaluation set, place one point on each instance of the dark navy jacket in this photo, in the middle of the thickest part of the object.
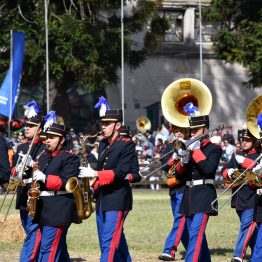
(202, 165)
(4, 162)
(245, 197)
(58, 209)
(37, 149)
(115, 162)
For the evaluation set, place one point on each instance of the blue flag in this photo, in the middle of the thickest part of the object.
(8, 97)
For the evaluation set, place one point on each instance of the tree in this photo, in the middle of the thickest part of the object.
(84, 40)
(239, 38)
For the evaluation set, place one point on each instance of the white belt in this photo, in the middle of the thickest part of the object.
(259, 191)
(200, 182)
(53, 193)
(28, 180)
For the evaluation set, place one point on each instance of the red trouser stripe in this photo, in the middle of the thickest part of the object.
(248, 236)
(200, 238)
(178, 235)
(55, 244)
(36, 246)
(116, 236)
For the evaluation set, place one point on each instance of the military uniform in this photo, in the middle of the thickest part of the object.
(28, 224)
(115, 161)
(244, 202)
(179, 230)
(56, 208)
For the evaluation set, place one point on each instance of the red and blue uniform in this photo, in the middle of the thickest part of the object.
(179, 230)
(197, 198)
(114, 196)
(244, 202)
(29, 226)
(56, 208)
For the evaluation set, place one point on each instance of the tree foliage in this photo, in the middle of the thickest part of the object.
(239, 38)
(84, 39)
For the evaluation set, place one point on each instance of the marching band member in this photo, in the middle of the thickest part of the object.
(179, 230)
(114, 197)
(243, 201)
(200, 163)
(33, 119)
(56, 208)
(257, 252)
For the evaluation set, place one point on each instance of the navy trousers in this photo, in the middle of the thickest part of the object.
(257, 252)
(179, 230)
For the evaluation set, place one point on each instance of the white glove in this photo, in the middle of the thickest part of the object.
(39, 176)
(240, 159)
(174, 156)
(194, 146)
(257, 169)
(230, 172)
(185, 159)
(29, 161)
(86, 171)
(182, 152)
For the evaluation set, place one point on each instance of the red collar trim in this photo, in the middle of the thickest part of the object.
(251, 151)
(114, 140)
(55, 153)
(37, 140)
(206, 142)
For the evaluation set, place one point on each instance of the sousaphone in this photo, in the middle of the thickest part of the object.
(253, 110)
(181, 92)
(143, 124)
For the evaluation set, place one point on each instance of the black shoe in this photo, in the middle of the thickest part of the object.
(236, 259)
(166, 257)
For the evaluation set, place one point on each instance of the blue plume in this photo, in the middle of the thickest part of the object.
(259, 121)
(50, 118)
(31, 109)
(190, 109)
(102, 106)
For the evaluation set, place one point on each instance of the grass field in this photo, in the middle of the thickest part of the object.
(146, 228)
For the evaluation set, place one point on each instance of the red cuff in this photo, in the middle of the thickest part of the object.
(130, 177)
(248, 163)
(96, 185)
(106, 177)
(170, 161)
(224, 174)
(13, 172)
(198, 156)
(180, 169)
(53, 182)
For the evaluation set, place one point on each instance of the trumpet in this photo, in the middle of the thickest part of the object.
(244, 177)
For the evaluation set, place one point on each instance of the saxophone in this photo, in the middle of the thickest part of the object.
(33, 193)
(81, 188)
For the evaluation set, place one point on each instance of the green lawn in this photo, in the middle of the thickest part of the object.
(146, 228)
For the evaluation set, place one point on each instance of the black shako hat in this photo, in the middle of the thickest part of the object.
(198, 121)
(56, 129)
(112, 115)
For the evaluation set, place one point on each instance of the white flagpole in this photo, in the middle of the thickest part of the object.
(47, 56)
(122, 61)
(11, 84)
(200, 40)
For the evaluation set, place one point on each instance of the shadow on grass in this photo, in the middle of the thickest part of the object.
(221, 251)
(77, 259)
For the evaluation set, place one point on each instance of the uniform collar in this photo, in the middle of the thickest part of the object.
(55, 153)
(111, 142)
(206, 142)
(251, 151)
(37, 140)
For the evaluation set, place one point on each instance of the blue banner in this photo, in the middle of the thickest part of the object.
(8, 97)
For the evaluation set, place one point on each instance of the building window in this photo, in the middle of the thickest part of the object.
(175, 32)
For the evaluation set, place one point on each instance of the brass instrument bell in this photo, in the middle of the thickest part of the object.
(181, 92)
(143, 124)
(253, 110)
